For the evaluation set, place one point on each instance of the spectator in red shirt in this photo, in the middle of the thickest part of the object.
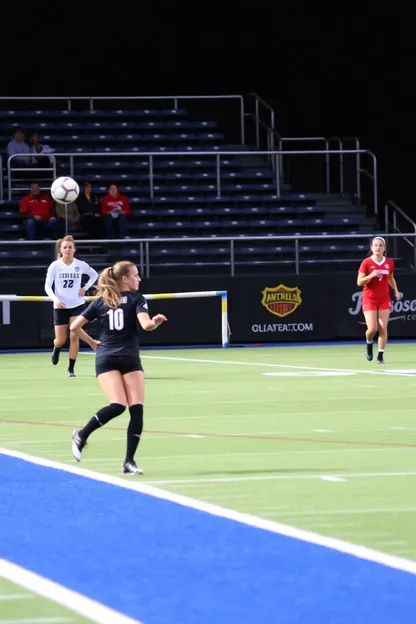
(40, 215)
(115, 210)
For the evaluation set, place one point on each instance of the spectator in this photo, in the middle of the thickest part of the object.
(40, 214)
(89, 211)
(36, 148)
(18, 145)
(72, 216)
(115, 209)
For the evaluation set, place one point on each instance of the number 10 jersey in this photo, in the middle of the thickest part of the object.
(119, 327)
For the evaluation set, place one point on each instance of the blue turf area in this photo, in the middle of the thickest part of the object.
(163, 563)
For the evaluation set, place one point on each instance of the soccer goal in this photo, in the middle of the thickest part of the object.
(222, 294)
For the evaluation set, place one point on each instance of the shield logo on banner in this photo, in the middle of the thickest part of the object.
(281, 300)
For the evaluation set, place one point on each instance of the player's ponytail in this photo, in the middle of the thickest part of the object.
(59, 242)
(108, 283)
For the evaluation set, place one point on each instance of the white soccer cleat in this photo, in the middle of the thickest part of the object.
(131, 468)
(77, 445)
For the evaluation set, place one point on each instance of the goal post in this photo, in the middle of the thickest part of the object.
(222, 294)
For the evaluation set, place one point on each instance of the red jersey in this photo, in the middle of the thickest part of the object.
(108, 203)
(37, 205)
(378, 287)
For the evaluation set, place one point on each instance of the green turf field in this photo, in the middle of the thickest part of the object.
(314, 437)
(25, 607)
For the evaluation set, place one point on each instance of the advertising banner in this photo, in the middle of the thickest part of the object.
(260, 310)
(402, 323)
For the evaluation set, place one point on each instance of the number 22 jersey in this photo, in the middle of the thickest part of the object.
(119, 327)
(66, 280)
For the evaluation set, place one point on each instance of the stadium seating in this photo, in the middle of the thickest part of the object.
(186, 203)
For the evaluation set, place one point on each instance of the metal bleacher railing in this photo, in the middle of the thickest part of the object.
(252, 109)
(272, 139)
(216, 156)
(169, 99)
(144, 256)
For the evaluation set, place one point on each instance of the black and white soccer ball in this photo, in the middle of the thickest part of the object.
(64, 190)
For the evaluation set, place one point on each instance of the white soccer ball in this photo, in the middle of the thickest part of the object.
(64, 190)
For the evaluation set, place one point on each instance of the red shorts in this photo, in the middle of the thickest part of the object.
(373, 305)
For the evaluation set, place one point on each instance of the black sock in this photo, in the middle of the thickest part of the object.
(134, 431)
(102, 417)
(71, 365)
(57, 348)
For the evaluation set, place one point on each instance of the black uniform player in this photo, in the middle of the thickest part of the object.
(118, 308)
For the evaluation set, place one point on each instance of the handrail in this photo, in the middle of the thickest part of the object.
(1, 178)
(145, 243)
(401, 212)
(314, 140)
(32, 170)
(217, 154)
(210, 239)
(123, 98)
(397, 210)
(257, 120)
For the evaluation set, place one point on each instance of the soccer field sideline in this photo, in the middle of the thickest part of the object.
(206, 418)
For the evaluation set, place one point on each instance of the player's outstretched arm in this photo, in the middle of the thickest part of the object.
(149, 324)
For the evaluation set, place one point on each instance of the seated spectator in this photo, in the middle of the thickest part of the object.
(115, 209)
(89, 210)
(40, 215)
(36, 148)
(19, 146)
(72, 217)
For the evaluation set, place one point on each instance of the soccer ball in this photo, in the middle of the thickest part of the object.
(64, 190)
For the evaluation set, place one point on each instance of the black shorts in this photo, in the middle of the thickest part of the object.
(122, 363)
(61, 316)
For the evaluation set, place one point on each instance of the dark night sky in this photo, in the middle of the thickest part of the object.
(324, 74)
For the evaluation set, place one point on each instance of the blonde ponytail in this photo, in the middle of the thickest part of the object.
(108, 286)
(108, 289)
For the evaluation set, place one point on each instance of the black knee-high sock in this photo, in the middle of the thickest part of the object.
(71, 365)
(103, 416)
(134, 430)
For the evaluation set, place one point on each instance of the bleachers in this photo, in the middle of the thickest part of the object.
(186, 198)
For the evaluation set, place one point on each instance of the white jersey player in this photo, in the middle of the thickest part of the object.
(63, 286)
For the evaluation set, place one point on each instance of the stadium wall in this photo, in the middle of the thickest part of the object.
(261, 310)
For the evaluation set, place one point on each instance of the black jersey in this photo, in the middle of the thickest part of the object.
(119, 327)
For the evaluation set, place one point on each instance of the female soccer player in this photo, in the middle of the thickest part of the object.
(64, 275)
(117, 364)
(376, 275)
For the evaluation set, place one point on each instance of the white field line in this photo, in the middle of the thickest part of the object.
(213, 456)
(354, 550)
(16, 597)
(39, 620)
(74, 601)
(343, 512)
(285, 477)
(268, 364)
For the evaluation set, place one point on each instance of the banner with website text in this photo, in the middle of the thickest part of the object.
(270, 310)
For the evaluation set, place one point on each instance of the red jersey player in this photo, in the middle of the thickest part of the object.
(376, 275)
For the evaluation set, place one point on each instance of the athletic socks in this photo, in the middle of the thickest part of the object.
(380, 356)
(369, 353)
(71, 365)
(102, 417)
(134, 431)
